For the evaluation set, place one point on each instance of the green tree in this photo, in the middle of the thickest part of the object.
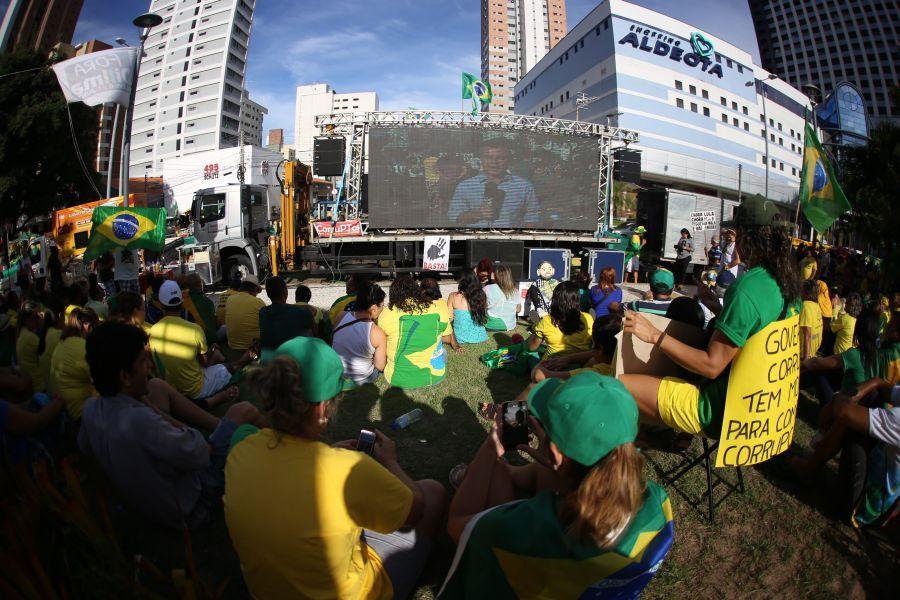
(871, 182)
(39, 170)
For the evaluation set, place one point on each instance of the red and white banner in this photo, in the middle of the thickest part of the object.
(328, 229)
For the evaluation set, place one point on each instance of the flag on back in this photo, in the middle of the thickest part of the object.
(821, 198)
(113, 227)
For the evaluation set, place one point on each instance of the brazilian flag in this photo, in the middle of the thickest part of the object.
(476, 89)
(114, 227)
(821, 198)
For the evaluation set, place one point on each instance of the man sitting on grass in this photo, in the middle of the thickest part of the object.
(182, 355)
(242, 314)
(302, 297)
(280, 321)
(168, 472)
(662, 282)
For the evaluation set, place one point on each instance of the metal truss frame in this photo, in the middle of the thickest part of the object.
(355, 126)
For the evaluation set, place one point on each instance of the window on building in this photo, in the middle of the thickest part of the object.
(781, 166)
(746, 126)
(735, 122)
(705, 112)
(745, 110)
(781, 141)
(734, 105)
(773, 163)
(692, 89)
(771, 137)
(724, 118)
(679, 85)
(764, 159)
(705, 94)
(679, 102)
(723, 101)
(693, 107)
(794, 171)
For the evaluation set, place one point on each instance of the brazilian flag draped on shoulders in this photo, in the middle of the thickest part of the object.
(821, 197)
(114, 227)
(521, 550)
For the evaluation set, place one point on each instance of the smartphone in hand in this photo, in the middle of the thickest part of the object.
(366, 441)
(515, 424)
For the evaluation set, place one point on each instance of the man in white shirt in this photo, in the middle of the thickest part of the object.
(127, 266)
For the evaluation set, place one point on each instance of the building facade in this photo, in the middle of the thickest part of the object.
(710, 121)
(515, 35)
(275, 138)
(319, 99)
(191, 82)
(252, 114)
(825, 42)
(38, 24)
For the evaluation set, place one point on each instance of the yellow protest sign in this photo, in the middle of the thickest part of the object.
(761, 403)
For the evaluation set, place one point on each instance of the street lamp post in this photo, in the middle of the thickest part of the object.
(582, 100)
(145, 22)
(754, 83)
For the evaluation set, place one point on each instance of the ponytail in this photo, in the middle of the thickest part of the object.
(609, 495)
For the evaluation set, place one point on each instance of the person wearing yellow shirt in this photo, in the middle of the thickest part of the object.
(28, 344)
(844, 323)
(222, 303)
(566, 329)
(242, 314)
(808, 265)
(345, 303)
(70, 376)
(180, 352)
(810, 321)
(317, 521)
(52, 335)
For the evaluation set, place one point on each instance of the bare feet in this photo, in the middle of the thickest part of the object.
(229, 394)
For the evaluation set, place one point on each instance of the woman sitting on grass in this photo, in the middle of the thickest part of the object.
(503, 301)
(415, 330)
(606, 296)
(603, 338)
(30, 342)
(70, 376)
(566, 329)
(359, 342)
(589, 526)
(469, 306)
(318, 521)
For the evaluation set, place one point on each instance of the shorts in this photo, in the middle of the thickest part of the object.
(403, 555)
(634, 264)
(678, 403)
(215, 378)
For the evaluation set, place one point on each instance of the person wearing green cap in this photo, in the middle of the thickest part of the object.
(633, 252)
(769, 291)
(591, 522)
(317, 521)
(662, 281)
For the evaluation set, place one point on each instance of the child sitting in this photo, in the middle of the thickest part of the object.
(600, 358)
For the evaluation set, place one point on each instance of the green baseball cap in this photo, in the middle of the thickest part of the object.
(586, 416)
(323, 371)
(640, 229)
(662, 279)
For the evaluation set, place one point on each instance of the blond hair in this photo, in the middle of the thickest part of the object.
(504, 280)
(279, 387)
(607, 498)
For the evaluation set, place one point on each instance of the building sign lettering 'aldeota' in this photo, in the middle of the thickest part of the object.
(664, 45)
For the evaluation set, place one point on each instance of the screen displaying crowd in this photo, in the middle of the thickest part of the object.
(476, 179)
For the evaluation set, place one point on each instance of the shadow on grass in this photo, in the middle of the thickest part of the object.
(872, 553)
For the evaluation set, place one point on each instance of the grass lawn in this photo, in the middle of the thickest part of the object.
(778, 538)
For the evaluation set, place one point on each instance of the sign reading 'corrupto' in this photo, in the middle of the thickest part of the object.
(761, 404)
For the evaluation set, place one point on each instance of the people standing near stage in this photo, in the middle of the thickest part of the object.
(731, 258)
(127, 267)
(633, 252)
(685, 252)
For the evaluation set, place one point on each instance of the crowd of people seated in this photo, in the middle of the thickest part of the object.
(146, 383)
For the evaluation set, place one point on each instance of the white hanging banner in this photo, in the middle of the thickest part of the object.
(98, 78)
(436, 254)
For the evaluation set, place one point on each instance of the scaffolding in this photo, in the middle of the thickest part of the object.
(355, 127)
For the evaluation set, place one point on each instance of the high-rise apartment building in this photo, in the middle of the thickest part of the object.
(191, 83)
(515, 35)
(825, 42)
(319, 99)
(38, 24)
(252, 114)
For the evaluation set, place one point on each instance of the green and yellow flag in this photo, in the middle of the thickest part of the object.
(132, 228)
(821, 198)
(476, 89)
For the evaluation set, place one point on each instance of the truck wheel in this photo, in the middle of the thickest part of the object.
(237, 266)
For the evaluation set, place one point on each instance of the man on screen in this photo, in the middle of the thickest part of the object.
(494, 197)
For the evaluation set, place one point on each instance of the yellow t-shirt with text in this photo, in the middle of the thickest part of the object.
(560, 343)
(176, 345)
(295, 510)
(811, 316)
(242, 320)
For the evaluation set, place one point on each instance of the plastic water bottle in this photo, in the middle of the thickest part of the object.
(404, 421)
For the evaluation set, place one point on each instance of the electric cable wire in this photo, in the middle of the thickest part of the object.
(87, 173)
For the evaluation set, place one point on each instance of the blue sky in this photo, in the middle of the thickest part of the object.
(409, 51)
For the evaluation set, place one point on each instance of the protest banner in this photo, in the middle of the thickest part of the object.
(436, 254)
(761, 402)
(703, 220)
(99, 77)
(327, 229)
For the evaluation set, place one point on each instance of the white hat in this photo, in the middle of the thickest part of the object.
(170, 293)
(250, 279)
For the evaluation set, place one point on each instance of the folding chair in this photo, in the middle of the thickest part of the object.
(713, 478)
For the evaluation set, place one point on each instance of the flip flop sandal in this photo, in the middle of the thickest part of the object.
(457, 474)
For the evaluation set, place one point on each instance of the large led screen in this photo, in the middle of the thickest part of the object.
(421, 177)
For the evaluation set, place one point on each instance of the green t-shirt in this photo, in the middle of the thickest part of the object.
(415, 352)
(521, 550)
(887, 361)
(752, 302)
(279, 323)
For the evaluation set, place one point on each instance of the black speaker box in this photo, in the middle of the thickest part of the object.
(508, 252)
(328, 156)
(627, 166)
